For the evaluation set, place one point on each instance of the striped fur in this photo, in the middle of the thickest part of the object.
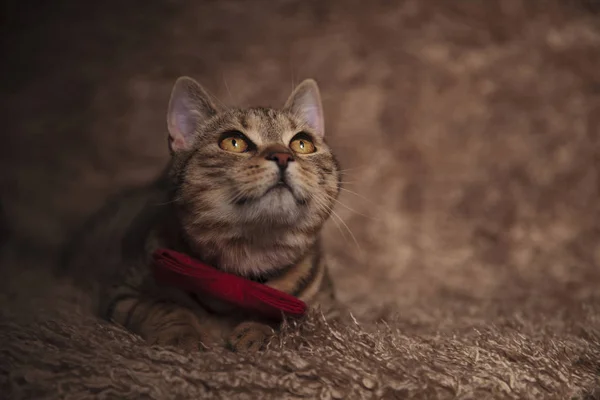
(223, 208)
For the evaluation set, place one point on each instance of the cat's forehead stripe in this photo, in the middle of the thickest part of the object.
(269, 131)
(264, 125)
(291, 122)
(243, 120)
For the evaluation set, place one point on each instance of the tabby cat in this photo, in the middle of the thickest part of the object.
(246, 191)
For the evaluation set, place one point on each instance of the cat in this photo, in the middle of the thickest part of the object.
(246, 191)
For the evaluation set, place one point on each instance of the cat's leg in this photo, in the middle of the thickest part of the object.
(160, 320)
(250, 336)
(253, 336)
(325, 301)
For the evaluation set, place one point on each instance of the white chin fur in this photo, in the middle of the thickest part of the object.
(278, 205)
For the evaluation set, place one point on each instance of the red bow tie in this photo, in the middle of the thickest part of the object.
(182, 271)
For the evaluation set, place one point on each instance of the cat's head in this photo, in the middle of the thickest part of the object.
(252, 177)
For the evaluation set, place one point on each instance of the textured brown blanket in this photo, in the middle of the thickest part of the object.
(470, 131)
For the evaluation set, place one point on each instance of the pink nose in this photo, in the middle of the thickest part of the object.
(282, 159)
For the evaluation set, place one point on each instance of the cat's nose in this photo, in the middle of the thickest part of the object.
(282, 159)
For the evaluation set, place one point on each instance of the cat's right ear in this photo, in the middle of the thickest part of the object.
(189, 105)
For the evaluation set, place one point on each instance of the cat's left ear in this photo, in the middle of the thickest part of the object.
(189, 106)
(305, 102)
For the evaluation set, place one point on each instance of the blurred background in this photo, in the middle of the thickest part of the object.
(469, 133)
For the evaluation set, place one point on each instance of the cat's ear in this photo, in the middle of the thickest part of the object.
(189, 105)
(305, 102)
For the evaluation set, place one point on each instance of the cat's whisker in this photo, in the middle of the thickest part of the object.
(334, 214)
(165, 203)
(175, 199)
(360, 196)
(353, 210)
(351, 169)
(345, 170)
(239, 195)
(381, 210)
(227, 88)
(292, 73)
(339, 227)
(337, 224)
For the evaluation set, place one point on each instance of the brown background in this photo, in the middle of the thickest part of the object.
(470, 132)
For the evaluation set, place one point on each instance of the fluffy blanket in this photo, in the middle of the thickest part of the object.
(466, 245)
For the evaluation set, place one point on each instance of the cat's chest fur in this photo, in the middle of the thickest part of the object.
(243, 251)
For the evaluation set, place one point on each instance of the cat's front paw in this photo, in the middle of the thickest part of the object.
(182, 331)
(250, 336)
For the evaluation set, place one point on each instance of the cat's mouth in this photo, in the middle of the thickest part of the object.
(281, 187)
(278, 188)
(281, 184)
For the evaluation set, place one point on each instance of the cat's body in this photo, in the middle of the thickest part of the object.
(246, 191)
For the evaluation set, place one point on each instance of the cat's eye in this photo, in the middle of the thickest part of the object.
(234, 144)
(301, 144)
